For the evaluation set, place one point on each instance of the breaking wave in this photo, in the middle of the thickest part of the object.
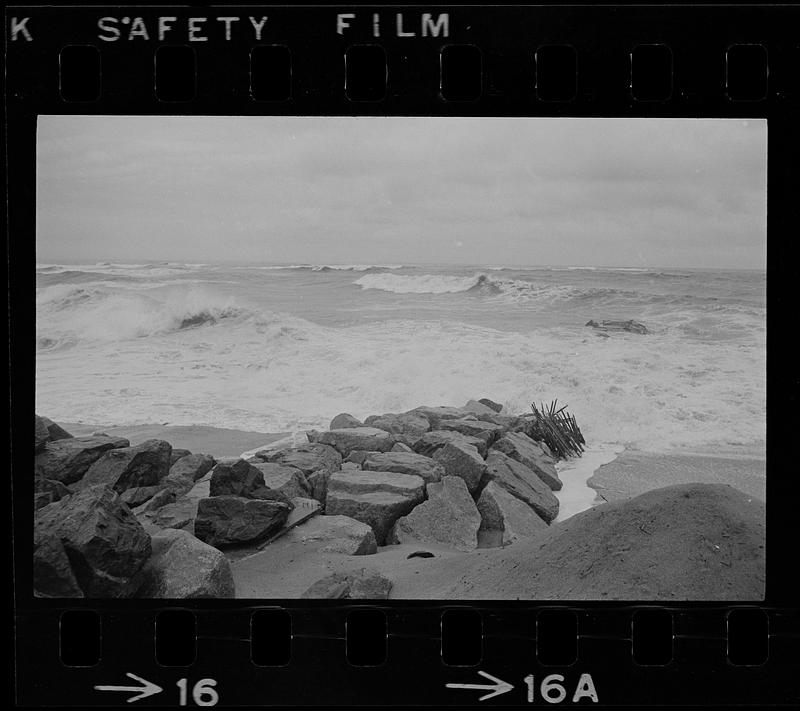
(67, 315)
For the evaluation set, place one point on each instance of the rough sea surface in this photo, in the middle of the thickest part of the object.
(276, 348)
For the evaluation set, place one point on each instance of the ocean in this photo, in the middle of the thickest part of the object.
(283, 348)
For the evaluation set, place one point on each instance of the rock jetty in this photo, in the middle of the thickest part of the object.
(415, 494)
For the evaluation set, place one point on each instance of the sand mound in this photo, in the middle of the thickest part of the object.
(685, 542)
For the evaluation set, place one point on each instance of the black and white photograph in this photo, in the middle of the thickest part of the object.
(400, 358)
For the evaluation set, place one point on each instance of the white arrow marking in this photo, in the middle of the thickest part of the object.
(499, 686)
(148, 688)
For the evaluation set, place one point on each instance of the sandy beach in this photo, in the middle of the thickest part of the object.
(633, 473)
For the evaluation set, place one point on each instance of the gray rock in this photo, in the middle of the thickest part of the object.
(162, 498)
(48, 431)
(404, 463)
(530, 453)
(308, 458)
(478, 407)
(503, 512)
(46, 491)
(463, 461)
(366, 482)
(378, 509)
(315, 461)
(192, 466)
(401, 447)
(177, 483)
(146, 464)
(361, 585)
(179, 514)
(178, 454)
(105, 544)
(52, 572)
(449, 517)
(436, 415)
(139, 495)
(487, 431)
(346, 440)
(237, 478)
(67, 460)
(521, 482)
(431, 441)
(496, 406)
(42, 435)
(289, 481)
(181, 566)
(224, 521)
(629, 326)
(350, 465)
(406, 424)
(344, 420)
(340, 533)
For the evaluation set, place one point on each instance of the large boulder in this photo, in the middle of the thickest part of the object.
(340, 534)
(52, 572)
(224, 521)
(449, 517)
(67, 460)
(487, 431)
(178, 454)
(237, 478)
(181, 566)
(428, 443)
(462, 460)
(521, 482)
(192, 466)
(289, 481)
(436, 415)
(407, 425)
(344, 420)
(404, 463)
(48, 431)
(479, 407)
(362, 585)
(527, 451)
(104, 542)
(46, 491)
(308, 458)
(495, 406)
(375, 498)
(55, 430)
(180, 513)
(358, 481)
(42, 435)
(146, 464)
(138, 495)
(315, 461)
(346, 440)
(506, 514)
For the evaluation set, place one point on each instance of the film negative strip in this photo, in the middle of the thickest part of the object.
(261, 256)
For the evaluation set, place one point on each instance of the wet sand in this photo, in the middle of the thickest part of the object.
(633, 473)
(215, 441)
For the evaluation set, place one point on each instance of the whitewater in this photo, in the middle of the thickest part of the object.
(281, 348)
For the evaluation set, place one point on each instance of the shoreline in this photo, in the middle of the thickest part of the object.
(635, 472)
(216, 441)
(606, 472)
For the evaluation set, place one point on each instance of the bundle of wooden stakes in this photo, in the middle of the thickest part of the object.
(556, 428)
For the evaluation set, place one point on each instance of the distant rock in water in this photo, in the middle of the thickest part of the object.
(485, 287)
(207, 317)
(629, 326)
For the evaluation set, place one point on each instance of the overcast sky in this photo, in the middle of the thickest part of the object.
(613, 192)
